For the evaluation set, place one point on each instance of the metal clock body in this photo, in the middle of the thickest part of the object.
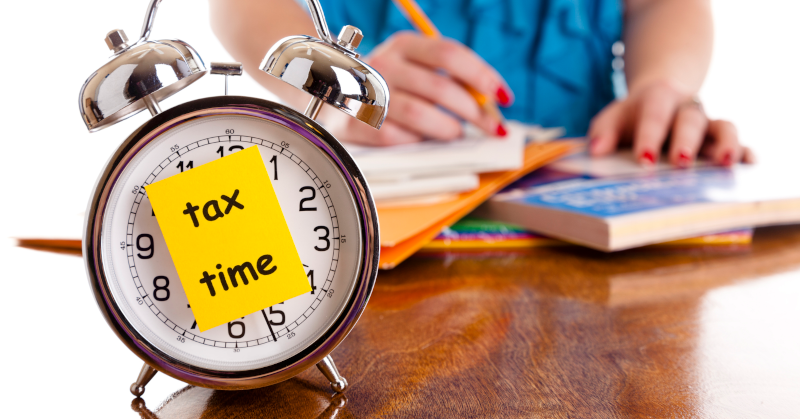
(322, 193)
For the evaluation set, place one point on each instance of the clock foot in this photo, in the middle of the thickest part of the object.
(328, 368)
(145, 375)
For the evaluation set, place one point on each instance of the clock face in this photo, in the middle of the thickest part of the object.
(318, 206)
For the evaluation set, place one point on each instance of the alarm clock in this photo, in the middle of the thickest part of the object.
(323, 195)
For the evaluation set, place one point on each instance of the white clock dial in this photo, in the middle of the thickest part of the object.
(321, 214)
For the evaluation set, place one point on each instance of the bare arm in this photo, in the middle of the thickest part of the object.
(248, 28)
(668, 40)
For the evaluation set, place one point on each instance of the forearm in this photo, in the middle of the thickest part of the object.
(667, 41)
(248, 28)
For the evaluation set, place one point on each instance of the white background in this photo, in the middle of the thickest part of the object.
(50, 163)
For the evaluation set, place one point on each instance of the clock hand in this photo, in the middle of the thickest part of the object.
(275, 338)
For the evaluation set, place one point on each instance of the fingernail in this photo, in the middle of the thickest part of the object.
(503, 98)
(684, 159)
(647, 158)
(727, 159)
(501, 131)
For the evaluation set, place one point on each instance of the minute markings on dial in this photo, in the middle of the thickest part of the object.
(273, 335)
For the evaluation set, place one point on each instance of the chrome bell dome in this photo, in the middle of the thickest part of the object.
(331, 72)
(137, 76)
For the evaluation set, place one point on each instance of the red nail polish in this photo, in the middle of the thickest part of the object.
(684, 159)
(648, 157)
(501, 132)
(503, 98)
(727, 159)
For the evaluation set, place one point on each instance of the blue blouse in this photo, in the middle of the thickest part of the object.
(554, 54)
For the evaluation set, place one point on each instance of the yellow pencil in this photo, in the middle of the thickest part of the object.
(420, 20)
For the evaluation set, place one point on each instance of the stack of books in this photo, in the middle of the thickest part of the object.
(435, 171)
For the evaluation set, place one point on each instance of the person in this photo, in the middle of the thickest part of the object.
(547, 62)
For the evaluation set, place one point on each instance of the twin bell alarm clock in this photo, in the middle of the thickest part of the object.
(323, 196)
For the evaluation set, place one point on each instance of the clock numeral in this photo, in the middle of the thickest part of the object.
(221, 149)
(189, 165)
(303, 200)
(164, 296)
(135, 189)
(284, 144)
(139, 300)
(174, 148)
(228, 131)
(343, 239)
(230, 329)
(122, 245)
(181, 339)
(323, 237)
(275, 311)
(310, 276)
(148, 248)
(290, 335)
(330, 293)
(274, 161)
(327, 184)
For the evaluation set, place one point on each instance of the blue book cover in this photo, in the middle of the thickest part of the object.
(613, 204)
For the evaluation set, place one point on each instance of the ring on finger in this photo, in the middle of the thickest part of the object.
(695, 102)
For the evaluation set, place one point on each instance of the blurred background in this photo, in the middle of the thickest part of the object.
(50, 162)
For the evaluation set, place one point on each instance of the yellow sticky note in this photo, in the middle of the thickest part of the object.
(228, 238)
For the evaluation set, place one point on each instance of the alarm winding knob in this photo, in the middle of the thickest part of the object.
(350, 37)
(117, 40)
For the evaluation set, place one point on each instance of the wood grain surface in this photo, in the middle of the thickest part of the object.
(558, 332)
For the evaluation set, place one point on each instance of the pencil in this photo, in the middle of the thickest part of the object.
(420, 20)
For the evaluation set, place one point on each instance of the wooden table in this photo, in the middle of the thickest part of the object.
(557, 332)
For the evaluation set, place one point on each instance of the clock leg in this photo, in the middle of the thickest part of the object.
(328, 368)
(145, 375)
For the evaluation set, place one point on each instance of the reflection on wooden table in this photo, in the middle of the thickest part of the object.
(558, 332)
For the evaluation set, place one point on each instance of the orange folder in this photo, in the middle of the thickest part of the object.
(405, 230)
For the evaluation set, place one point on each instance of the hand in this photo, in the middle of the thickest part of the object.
(426, 78)
(651, 114)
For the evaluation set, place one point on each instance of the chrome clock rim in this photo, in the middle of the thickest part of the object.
(316, 351)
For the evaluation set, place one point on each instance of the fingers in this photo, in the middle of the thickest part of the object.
(458, 61)
(606, 129)
(723, 147)
(658, 106)
(659, 111)
(422, 118)
(748, 156)
(389, 134)
(441, 90)
(688, 133)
